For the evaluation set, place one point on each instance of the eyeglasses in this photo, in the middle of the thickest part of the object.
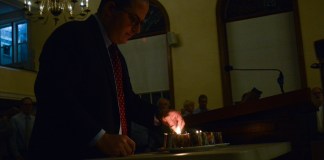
(135, 20)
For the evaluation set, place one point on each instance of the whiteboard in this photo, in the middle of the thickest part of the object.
(147, 63)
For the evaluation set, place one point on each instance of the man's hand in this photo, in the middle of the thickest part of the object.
(116, 145)
(174, 120)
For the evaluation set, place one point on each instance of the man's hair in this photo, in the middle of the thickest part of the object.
(25, 98)
(188, 103)
(202, 96)
(119, 3)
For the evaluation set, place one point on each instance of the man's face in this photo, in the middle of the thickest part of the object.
(125, 23)
(164, 105)
(203, 103)
(27, 106)
(191, 108)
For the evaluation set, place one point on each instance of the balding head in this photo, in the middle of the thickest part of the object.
(121, 3)
(122, 19)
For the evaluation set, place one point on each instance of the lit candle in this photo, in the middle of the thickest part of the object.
(82, 6)
(29, 6)
(178, 130)
(196, 138)
(41, 8)
(180, 140)
(70, 9)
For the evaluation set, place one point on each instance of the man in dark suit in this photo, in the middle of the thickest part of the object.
(84, 95)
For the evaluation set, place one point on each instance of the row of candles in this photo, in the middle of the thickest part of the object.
(196, 138)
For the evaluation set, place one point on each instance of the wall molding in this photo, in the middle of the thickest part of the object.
(15, 96)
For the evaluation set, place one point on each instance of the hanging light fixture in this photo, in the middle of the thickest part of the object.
(42, 9)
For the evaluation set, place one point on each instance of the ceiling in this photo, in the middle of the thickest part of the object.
(7, 6)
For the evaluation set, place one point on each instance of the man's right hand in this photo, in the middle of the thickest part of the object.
(116, 145)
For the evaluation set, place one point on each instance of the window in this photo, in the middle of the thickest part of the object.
(14, 45)
(248, 38)
(6, 45)
(147, 57)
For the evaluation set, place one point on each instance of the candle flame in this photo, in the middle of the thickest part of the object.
(178, 130)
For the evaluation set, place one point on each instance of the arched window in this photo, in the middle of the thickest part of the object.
(156, 21)
(256, 34)
(148, 57)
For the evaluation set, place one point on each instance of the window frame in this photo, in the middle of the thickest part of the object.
(14, 21)
(224, 50)
(10, 55)
(16, 24)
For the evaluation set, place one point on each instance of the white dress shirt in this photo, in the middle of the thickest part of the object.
(22, 127)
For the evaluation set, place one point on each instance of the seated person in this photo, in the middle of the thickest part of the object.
(156, 137)
(22, 124)
(188, 108)
(163, 107)
(202, 100)
(6, 131)
(252, 95)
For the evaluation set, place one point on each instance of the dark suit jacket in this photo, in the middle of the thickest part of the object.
(76, 94)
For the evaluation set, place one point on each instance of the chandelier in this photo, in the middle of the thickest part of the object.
(43, 9)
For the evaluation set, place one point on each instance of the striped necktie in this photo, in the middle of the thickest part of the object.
(119, 85)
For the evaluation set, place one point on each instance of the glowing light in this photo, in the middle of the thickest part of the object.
(178, 130)
(56, 9)
(181, 154)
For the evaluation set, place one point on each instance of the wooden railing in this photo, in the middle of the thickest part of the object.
(285, 117)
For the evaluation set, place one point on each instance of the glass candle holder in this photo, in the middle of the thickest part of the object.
(173, 140)
(181, 140)
(218, 137)
(196, 138)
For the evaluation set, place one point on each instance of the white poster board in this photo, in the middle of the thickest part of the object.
(147, 63)
(266, 42)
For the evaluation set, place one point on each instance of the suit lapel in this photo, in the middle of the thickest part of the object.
(103, 54)
(102, 49)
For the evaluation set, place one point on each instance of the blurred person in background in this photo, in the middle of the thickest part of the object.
(22, 124)
(202, 101)
(188, 108)
(6, 132)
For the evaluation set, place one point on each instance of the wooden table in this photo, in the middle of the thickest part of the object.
(265, 151)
